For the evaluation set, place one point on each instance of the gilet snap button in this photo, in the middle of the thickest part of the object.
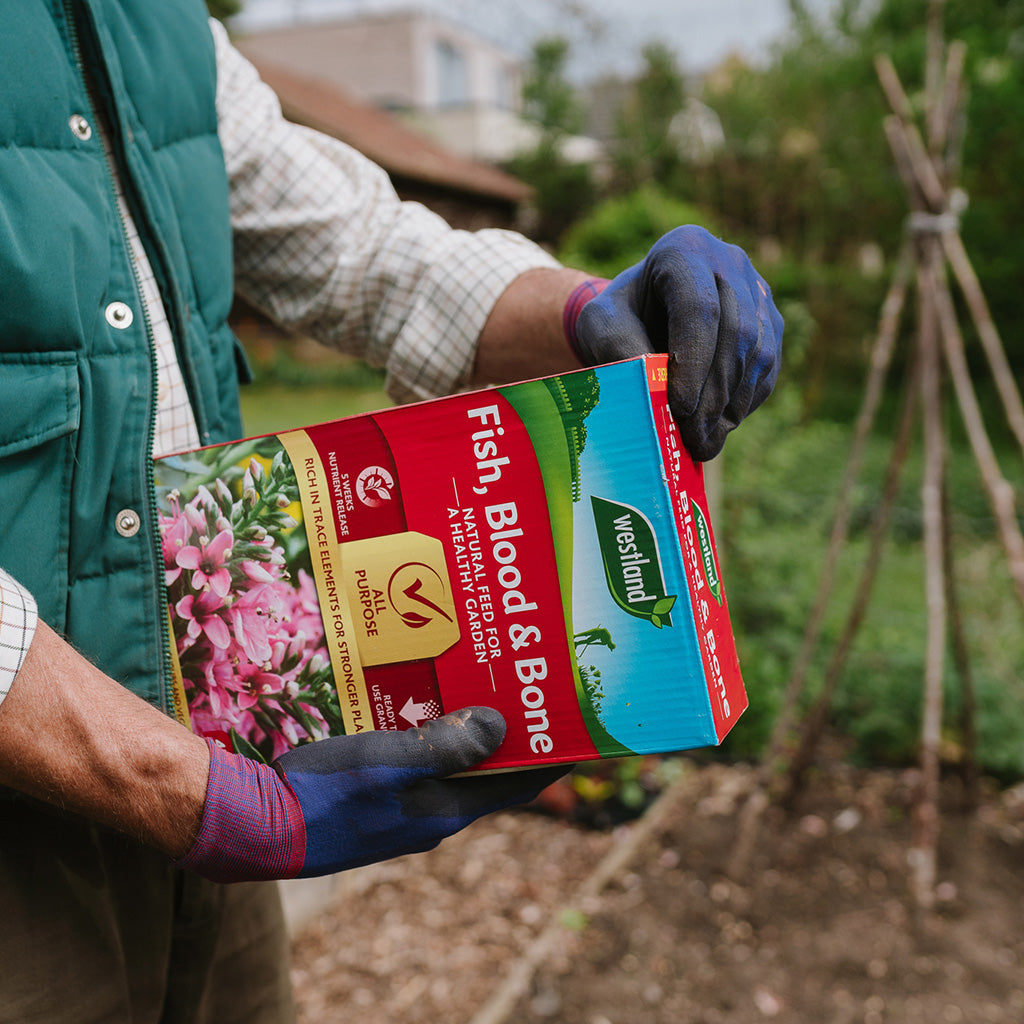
(119, 315)
(80, 127)
(127, 522)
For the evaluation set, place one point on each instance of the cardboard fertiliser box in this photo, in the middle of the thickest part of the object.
(543, 548)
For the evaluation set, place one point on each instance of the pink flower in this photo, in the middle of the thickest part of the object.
(281, 743)
(253, 683)
(253, 616)
(219, 673)
(205, 722)
(257, 571)
(250, 635)
(175, 532)
(290, 731)
(201, 613)
(207, 562)
(195, 518)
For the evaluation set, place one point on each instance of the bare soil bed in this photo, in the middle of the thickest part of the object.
(640, 925)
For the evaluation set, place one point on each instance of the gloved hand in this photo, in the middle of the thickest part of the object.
(352, 800)
(701, 301)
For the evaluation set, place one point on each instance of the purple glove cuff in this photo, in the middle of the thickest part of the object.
(252, 828)
(581, 295)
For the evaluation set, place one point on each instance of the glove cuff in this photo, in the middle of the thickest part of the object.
(580, 296)
(252, 829)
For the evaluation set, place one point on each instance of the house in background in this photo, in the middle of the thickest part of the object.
(467, 193)
(411, 60)
(460, 89)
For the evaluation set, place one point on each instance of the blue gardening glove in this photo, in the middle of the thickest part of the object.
(701, 301)
(352, 800)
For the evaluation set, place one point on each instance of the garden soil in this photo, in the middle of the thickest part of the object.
(526, 917)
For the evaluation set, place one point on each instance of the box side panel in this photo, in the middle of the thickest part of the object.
(727, 694)
(633, 633)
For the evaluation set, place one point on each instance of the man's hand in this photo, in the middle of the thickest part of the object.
(701, 301)
(352, 800)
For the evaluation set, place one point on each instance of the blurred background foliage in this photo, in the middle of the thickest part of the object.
(800, 175)
(223, 9)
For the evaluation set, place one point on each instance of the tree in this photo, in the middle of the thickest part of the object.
(806, 160)
(548, 98)
(646, 150)
(562, 189)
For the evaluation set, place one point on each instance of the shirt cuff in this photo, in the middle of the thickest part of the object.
(18, 618)
(435, 351)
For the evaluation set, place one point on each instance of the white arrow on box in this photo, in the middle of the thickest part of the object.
(413, 713)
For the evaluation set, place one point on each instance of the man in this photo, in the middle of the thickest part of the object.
(145, 174)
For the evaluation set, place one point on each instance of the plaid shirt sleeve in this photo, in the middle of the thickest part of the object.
(17, 627)
(324, 245)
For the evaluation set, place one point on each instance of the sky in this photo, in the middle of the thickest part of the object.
(607, 36)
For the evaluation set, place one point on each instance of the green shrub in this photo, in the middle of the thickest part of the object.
(619, 232)
(781, 481)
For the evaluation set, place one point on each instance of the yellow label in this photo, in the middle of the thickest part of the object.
(335, 610)
(179, 700)
(399, 589)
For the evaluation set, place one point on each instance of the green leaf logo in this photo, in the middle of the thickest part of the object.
(707, 553)
(632, 564)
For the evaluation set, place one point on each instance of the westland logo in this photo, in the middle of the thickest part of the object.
(632, 565)
(707, 553)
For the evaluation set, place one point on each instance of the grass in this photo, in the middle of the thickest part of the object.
(298, 385)
(269, 408)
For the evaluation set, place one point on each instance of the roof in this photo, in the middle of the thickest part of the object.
(382, 137)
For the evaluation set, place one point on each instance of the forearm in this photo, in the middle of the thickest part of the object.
(75, 738)
(523, 336)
